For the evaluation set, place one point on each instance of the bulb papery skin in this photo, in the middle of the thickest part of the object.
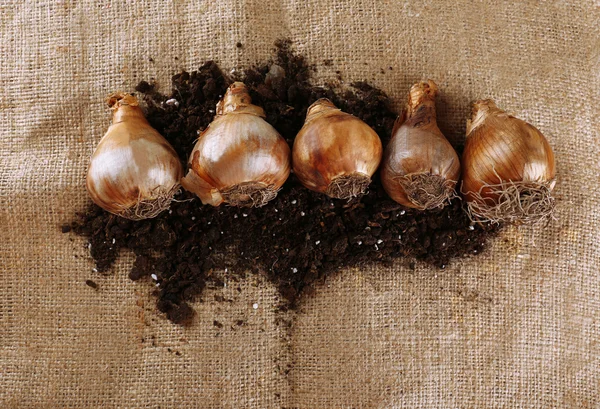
(134, 172)
(239, 159)
(503, 153)
(335, 153)
(420, 167)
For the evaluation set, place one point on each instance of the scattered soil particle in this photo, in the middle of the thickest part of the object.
(298, 238)
(92, 284)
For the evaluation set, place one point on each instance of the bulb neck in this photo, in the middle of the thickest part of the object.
(422, 99)
(319, 108)
(481, 110)
(126, 112)
(420, 108)
(484, 106)
(237, 100)
(124, 106)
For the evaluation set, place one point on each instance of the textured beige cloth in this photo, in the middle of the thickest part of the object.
(518, 327)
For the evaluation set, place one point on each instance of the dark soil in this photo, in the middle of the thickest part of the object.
(298, 238)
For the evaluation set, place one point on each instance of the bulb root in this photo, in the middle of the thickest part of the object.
(249, 194)
(427, 191)
(348, 186)
(160, 199)
(518, 203)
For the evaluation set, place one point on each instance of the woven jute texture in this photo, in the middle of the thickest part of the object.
(517, 327)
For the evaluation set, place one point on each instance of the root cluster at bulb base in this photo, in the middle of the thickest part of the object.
(516, 202)
(159, 201)
(348, 186)
(427, 191)
(249, 194)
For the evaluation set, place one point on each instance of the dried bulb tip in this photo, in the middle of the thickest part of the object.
(119, 98)
(484, 105)
(481, 109)
(320, 106)
(237, 88)
(237, 98)
(421, 92)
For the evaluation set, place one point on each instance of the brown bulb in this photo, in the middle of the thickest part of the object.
(508, 168)
(420, 168)
(239, 159)
(335, 153)
(134, 172)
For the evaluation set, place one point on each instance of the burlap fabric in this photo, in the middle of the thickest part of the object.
(517, 327)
